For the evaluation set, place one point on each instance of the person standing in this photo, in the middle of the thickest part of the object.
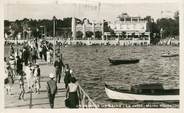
(9, 83)
(19, 65)
(25, 56)
(44, 52)
(61, 65)
(29, 76)
(40, 51)
(57, 71)
(34, 55)
(11, 50)
(58, 64)
(48, 56)
(12, 63)
(21, 88)
(20, 53)
(51, 89)
(72, 93)
(51, 56)
(67, 75)
(36, 73)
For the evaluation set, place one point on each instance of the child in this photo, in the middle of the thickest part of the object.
(9, 82)
(21, 88)
(36, 73)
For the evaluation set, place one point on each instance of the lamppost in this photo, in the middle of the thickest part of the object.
(54, 36)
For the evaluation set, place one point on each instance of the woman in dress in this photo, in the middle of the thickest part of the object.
(12, 63)
(36, 73)
(73, 93)
(67, 75)
(9, 84)
(29, 76)
(51, 56)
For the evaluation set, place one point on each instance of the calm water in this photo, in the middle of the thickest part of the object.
(92, 68)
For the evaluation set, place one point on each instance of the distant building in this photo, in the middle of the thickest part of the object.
(132, 28)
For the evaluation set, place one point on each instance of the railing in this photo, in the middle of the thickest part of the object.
(84, 100)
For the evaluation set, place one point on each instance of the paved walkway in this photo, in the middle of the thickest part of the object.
(38, 100)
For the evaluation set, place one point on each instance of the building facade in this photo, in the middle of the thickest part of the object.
(133, 29)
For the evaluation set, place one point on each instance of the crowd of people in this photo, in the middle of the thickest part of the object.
(22, 65)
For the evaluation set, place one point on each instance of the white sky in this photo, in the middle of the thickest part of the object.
(108, 11)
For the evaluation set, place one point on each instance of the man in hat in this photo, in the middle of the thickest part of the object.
(51, 89)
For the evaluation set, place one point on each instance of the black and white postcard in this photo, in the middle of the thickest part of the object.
(92, 54)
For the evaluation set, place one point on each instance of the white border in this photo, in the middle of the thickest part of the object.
(1, 53)
(89, 1)
(146, 110)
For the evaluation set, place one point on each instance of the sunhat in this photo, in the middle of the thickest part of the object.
(51, 75)
(11, 57)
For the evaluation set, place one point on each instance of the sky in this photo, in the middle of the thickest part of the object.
(92, 10)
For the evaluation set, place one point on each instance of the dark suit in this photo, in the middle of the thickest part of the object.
(52, 89)
(58, 69)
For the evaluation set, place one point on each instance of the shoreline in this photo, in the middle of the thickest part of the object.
(125, 43)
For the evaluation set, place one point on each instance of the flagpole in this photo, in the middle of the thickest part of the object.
(54, 30)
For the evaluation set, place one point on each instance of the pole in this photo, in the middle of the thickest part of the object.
(17, 45)
(54, 30)
(45, 31)
(30, 101)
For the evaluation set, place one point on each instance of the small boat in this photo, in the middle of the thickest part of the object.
(123, 61)
(169, 55)
(153, 92)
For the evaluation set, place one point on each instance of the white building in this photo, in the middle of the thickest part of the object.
(133, 29)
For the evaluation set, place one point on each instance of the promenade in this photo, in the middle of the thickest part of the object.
(38, 100)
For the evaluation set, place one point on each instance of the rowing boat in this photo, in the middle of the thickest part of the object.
(169, 55)
(123, 61)
(156, 93)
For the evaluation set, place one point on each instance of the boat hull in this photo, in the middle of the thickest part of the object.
(126, 61)
(115, 95)
(173, 55)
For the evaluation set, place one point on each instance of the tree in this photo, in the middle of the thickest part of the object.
(7, 23)
(16, 29)
(122, 16)
(36, 33)
(176, 16)
(152, 27)
(170, 26)
(176, 24)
